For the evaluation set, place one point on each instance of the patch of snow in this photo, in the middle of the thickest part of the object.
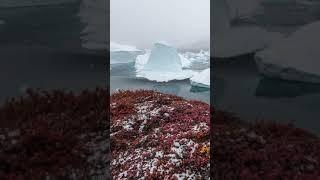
(159, 154)
(127, 125)
(202, 126)
(185, 175)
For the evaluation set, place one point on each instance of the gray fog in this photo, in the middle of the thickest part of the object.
(142, 22)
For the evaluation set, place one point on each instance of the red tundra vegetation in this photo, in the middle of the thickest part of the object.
(55, 135)
(261, 150)
(159, 136)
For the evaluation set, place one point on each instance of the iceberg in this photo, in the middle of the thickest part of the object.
(162, 64)
(201, 79)
(123, 53)
(195, 60)
(231, 41)
(94, 35)
(293, 58)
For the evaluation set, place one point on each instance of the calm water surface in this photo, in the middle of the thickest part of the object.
(240, 89)
(123, 77)
(40, 47)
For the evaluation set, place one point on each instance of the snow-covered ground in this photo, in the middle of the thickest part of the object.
(155, 141)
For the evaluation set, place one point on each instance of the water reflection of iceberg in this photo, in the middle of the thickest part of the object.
(277, 88)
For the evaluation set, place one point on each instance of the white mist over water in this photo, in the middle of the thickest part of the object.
(143, 22)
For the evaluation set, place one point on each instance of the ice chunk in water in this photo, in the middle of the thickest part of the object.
(162, 64)
(163, 58)
(231, 41)
(123, 53)
(293, 58)
(201, 79)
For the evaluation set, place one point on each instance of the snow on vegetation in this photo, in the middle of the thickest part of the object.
(168, 136)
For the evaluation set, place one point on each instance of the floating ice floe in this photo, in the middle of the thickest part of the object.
(196, 60)
(201, 79)
(94, 35)
(162, 64)
(294, 58)
(123, 53)
(231, 41)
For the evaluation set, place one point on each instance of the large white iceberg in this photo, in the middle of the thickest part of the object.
(162, 64)
(94, 15)
(123, 53)
(201, 79)
(195, 60)
(293, 58)
(231, 41)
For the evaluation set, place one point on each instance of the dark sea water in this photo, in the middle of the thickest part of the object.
(122, 76)
(40, 47)
(240, 89)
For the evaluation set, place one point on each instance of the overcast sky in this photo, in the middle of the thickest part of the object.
(142, 22)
